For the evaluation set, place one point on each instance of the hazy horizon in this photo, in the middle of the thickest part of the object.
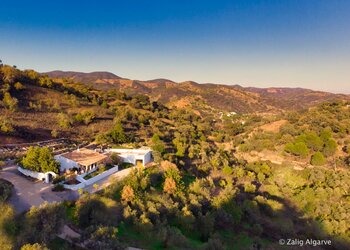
(261, 43)
(241, 84)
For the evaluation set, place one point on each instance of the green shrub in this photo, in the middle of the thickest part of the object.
(35, 246)
(58, 179)
(6, 188)
(249, 188)
(298, 149)
(7, 226)
(43, 223)
(318, 159)
(58, 188)
(312, 140)
(330, 147)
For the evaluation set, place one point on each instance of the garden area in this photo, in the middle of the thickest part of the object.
(100, 170)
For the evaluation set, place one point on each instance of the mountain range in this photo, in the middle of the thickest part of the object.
(232, 98)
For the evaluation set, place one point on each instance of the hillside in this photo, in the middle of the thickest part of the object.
(232, 98)
(208, 187)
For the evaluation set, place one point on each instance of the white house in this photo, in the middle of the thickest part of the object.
(83, 159)
(133, 156)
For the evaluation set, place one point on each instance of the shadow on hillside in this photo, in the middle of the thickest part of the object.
(281, 221)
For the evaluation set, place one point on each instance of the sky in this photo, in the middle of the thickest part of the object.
(297, 43)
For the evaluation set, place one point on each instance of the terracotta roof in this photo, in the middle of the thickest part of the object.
(84, 156)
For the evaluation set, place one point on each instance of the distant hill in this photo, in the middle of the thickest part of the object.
(224, 97)
(83, 77)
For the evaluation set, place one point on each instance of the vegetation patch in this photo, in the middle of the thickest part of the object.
(6, 189)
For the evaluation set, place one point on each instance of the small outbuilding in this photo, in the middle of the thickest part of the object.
(133, 156)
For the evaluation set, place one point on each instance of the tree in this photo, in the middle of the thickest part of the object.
(141, 101)
(54, 133)
(173, 179)
(330, 147)
(10, 74)
(40, 160)
(298, 149)
(157, 144)
(45, 81)
(47, 161)
(326, 134)
(180, 147)
(117, 135)
(6, 189)
(169, 186)
(6, 125)
(85, 117)
(10, 102)
(104, 105)
(312, 140)
(7, 220)
(90, 211)
(103, 237)
(115, 159)
(347, 161)
(318, 159)
(128, 194)
(19, 86)
(44, 222)
(64, 120)
(205, 225)
(31, 159)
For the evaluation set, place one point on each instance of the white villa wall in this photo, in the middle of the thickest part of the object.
(74, 187)
(128, 158)
(66, 164)
(83, 183)
(101, 176)
(37, 175)
(147, 157)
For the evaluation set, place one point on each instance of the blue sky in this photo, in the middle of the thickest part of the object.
(253, 43)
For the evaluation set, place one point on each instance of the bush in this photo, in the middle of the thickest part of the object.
(58, 188)
(249, 188)
(312, 140)
(298, 149)
(35, 246)
(58, 179)
(318, 159)
(115, 159)
(6, 188)
(86, 117)
(93, 211)
(6, 125)
(43, 223)
(7, 226)
(330, 147)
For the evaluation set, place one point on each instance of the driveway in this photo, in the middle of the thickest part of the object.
(28, 193)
